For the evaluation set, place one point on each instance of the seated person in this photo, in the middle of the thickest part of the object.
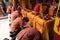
(50, 14)
(13, 8)
(28, 34)
(45, 8)
(15, 14)
(36, 9)
(18, 23)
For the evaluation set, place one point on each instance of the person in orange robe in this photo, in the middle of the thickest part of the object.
(36, 8)
(50, 15)
(29, 34)
(17, 25)
(15, 14)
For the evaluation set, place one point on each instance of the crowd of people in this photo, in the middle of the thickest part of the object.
(19, 27)
(3, 6)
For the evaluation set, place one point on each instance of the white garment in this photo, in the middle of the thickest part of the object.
(16, 39)
(9, 18)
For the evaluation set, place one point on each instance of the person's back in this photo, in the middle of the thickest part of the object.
(28, 34)
(14, 15)
(18, 24)
(36, 8)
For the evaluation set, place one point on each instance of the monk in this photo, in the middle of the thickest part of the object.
(17, 25)
(15, 14)
(36, 8)
(50, 15)
(57, 27)
(13, 8)
(28, 34)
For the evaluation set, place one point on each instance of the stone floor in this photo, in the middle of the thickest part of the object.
(4, 28)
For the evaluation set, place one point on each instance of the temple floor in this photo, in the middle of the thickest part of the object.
(4, 28)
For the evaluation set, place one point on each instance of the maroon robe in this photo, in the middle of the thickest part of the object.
(56, 36)
(14, 15)
(16, 24)
(28, 34)
(36, 8)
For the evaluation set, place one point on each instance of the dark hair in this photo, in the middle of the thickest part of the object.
(58, 15)
(25, 19)
(20, 14)
(44, 4)
(6, 0)
(40, 1)
(57, 1)
(47, 1)
(19, 8)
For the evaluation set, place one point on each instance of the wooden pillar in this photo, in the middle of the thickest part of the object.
(23, 5)
(41, 10)
(12, 1)
(29, 4)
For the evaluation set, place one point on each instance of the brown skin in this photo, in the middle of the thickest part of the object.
(9, 9)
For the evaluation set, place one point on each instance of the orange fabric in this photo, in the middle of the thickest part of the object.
(36, 22)
(12, 1)
(51, 11)
(41, 10)
(39, 24)
(31, 17)
(24, 13)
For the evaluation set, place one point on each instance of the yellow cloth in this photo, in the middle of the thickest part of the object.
(57, 20)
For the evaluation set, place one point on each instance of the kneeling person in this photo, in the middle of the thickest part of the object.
(18, 23)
